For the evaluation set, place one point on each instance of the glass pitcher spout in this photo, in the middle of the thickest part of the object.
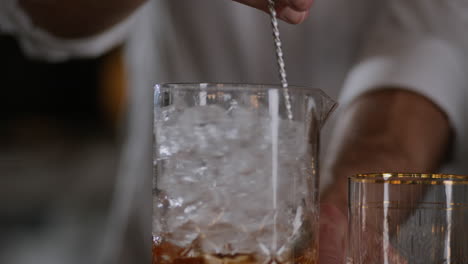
(317, 102)
(325, 107)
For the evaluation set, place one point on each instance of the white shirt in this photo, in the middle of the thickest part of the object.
(418, 44)
(422, 46)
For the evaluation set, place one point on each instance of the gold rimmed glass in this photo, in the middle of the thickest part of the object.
(398, 218)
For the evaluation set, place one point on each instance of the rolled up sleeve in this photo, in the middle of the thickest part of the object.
(37, 43)
(406, 49)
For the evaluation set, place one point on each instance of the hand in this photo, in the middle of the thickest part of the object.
(291, 11)
(333, 241)
(333, 235)
(372, 249)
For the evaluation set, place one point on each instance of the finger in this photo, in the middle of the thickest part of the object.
(262, 5)
(300, 5)
(333, 227)
(283, 9)
(292, 16)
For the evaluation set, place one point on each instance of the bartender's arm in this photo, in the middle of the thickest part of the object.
(402, 106)
(76, 19)
(291, 11)
(388, 130)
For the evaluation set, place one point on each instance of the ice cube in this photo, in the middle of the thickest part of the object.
(184, 234)
(216, 169)
(225, 238)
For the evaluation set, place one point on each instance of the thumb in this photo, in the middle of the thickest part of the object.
(333, 233)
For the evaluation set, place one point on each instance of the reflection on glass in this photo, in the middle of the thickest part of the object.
(408, 218)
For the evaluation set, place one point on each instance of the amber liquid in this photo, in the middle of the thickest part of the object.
(167, 253)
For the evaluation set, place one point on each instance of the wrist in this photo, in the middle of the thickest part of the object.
(336, 195)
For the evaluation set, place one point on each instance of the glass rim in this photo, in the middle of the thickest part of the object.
(410, 178)
(213, 86)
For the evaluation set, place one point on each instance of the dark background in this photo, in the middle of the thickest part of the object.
(59, 148)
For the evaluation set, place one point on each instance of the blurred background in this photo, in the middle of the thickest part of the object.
(60, 138)
(75, 136)
(75, 139)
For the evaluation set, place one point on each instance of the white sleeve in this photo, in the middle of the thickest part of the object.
(37, 43)
(416, 45)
